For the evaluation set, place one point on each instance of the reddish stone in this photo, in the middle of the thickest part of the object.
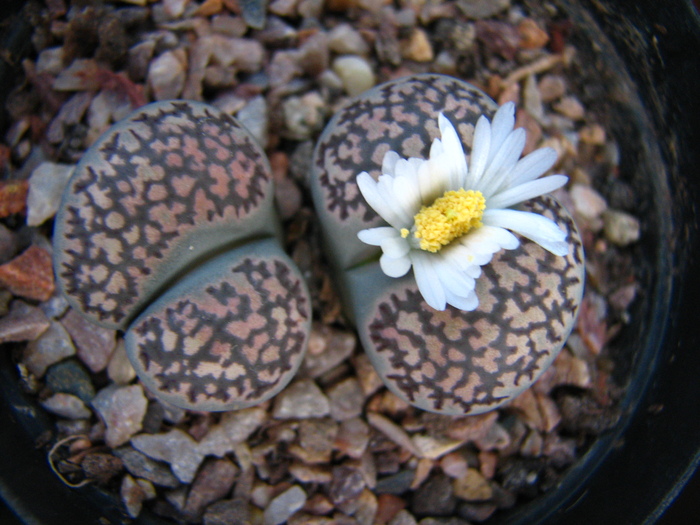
(388, 506)
(29, 275)
(13, 197)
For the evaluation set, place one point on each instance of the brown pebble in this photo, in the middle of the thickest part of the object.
(30, 275)
(23, 323)
(94, 344)
(101, 467)
(13, 197)
(531, 35)
(551, 87)
(419, 47)
(213, 482)
(593, 134)
(388, 506)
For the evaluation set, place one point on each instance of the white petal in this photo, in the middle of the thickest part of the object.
(533, 226)
(389, 162)
(503, 123)
(375, 236)
(501, 166)
(395, 246)
(481, 145)
(407, 196)
(453, 153)
(427, 279)
(395, 266)
(525, 191)
(468, 303)
(533, 165)
(396, 208)
(488, 240)
(370, 191)
(431, 184)
(452, 275)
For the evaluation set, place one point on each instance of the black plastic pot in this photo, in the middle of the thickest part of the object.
(646, 54)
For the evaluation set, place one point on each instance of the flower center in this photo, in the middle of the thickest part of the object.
(449, 217)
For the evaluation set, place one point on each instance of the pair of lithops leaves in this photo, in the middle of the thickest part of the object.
(167, 230)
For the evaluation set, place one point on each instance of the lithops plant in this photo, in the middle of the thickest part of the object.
(167, 230)
(480, 277)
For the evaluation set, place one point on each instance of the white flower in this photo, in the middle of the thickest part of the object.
(446, 220)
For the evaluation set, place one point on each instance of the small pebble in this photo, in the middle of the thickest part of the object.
(66, 405)
(49, 348)
(284, 505)
(355, 72)
(29, 275)
(303, 399)
(166, 76)
(433, 447)
(134, 492)
(593, 134)
(46, 186)
(435, 497)
(472, 486)
(101, 466)
(254, 116)
(343, 39)
(353, 437)
(479, 9)
(303, 116)
(304, 473)
(419, 47)
(234, 427)
(348, 483)
(214, 481)
(328, 348)
(119, 369)
(396, 484)
(13, 197)
(174, 447)
(587, 202)
(122, 409)
(93, 343)
(621, 228)
(8, 244)
(403, 517)
(316, 440)
(570, 107)
(228, 512)
(393, 431)
(552, 87)
(532, 36)
(140, 465)
(70, 377)
(23, 323)
(390, 506)
(346, 399)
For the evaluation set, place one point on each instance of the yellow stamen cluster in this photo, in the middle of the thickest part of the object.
(449, 217)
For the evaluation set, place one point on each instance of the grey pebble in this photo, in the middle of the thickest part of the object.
(49, 348)
(303, 399)
(434, 497)
(140, 465)
(66, 405)
(284, 505)
(228, 512)
(176, 447)
(24, 322)
(122, 409)
(70, 377)
(396, 484)
(94, 344)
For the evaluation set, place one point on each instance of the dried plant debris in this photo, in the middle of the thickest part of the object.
(335, 445)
